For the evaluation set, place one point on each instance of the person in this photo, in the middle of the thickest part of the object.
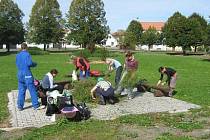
(115, 65)
(129, 75)
(84, 66)
(104, 91)
(171, 78)
(47, 85)
(25, 78)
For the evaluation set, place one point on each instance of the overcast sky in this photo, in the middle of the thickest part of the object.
(120, 12)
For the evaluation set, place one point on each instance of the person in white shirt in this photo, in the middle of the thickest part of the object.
(115, 65)
(104, 91)
(47, 85)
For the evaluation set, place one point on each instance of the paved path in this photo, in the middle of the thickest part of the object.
(141, 104)
(28, 117)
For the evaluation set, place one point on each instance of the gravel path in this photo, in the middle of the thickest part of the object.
(141, 104)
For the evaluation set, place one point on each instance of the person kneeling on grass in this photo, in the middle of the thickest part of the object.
(104, 91)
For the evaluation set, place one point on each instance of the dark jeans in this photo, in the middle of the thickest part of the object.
(105, 95)
(118, 76)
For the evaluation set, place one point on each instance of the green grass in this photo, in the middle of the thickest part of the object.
(168, 136)
(192, 86)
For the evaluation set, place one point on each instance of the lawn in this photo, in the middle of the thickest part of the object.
(192, 86)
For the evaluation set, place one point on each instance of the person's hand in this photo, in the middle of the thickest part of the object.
(163, 83)
(158, 83)
(34, 64)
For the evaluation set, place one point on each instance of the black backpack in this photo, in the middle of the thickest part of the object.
(83, 111)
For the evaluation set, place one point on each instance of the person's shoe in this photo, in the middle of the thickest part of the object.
(111, 101)
(101, 103)
(42, 106)
(20, 109)
(170, 94)
(38, 108)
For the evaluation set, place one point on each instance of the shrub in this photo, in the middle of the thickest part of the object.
(102, 53)
(37, 51)
(82, 89)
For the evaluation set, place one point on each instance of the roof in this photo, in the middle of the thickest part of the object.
(119, 33)
(157, 25)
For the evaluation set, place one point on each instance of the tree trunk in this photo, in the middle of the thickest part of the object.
(195, 49)
(184, 52)
(8, 47)
(173, 49)
(44, 47)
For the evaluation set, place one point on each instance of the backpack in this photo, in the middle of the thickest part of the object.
(84, 112)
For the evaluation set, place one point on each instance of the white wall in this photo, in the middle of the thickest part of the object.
(111, 41)
(159, 48)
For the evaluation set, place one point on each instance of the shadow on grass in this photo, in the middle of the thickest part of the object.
(7, 53)
(207, 59)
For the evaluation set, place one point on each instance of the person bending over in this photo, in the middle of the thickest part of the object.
(171, 78)
(104, 91)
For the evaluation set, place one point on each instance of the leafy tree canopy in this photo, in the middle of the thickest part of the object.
(87, 22)
(11, 26)
(45, 23)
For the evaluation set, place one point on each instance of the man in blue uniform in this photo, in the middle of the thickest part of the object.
(25, 78)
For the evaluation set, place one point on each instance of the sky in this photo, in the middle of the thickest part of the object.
(119, 13)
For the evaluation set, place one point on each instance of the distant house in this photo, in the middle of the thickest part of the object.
(157, 25)
(111, 41)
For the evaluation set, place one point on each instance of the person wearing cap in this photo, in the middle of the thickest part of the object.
(25, 78)
(104, 91)
(115, 65)
(171, 78)
(82, 64)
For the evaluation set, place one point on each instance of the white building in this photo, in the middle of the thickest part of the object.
(111, 41)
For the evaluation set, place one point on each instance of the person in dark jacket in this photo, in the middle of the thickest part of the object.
(48, 85)
(25, 78)
(171, 78)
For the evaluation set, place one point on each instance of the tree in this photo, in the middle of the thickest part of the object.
(197, 33)
(135, 28)
(199, 25)
(11, 26)
(208, 35)
(150, 37)
(130, 41)
(177, 32)
(87, 23)
(45, 23)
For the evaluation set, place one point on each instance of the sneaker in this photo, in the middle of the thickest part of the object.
(170, 94)
(38, 108)
(42, 106)
(20, 109)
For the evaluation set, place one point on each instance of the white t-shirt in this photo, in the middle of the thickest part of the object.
(105, 85)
